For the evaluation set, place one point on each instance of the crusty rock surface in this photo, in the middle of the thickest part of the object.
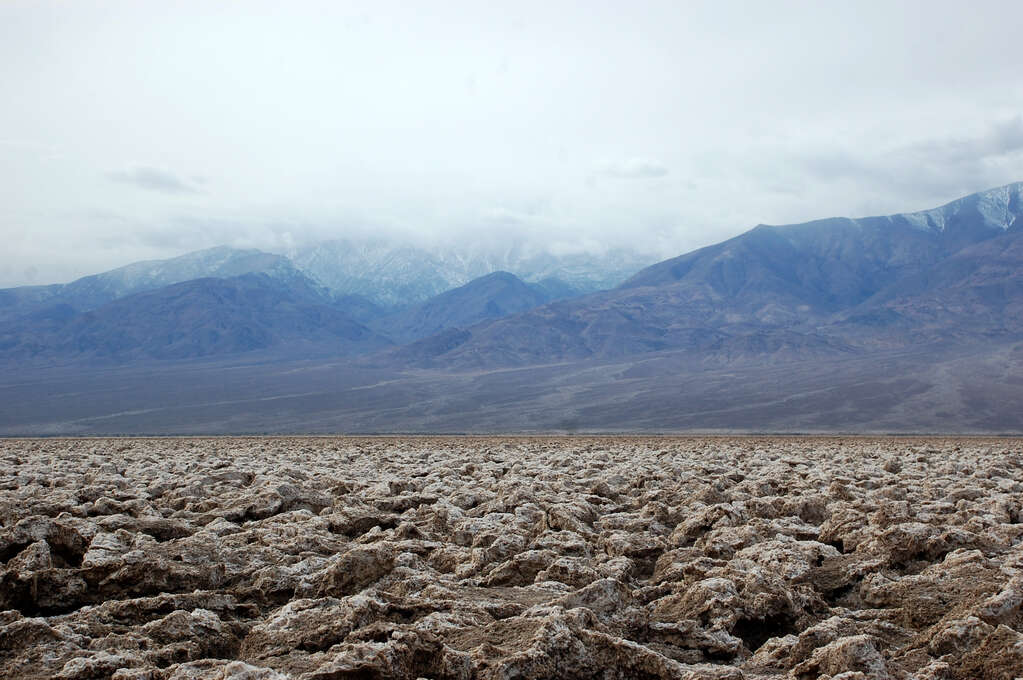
(511, 559)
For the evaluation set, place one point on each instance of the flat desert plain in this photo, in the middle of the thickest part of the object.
(460, 558)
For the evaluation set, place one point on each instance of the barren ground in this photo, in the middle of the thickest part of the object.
(460, 558)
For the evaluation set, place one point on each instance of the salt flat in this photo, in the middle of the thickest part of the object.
(459, 558)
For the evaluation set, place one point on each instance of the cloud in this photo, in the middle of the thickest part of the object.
(1001, 138)
(924, 172)
(472, 107)
(154, 179)
(634, 168)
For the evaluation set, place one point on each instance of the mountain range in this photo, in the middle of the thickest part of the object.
(836, 285)
(225, 301)
(90, 292)
(904, 322)
(396, 275)
(194, 319)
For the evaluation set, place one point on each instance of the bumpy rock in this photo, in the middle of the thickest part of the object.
(514, 558)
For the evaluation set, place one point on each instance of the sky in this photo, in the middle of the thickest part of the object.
(139, 130)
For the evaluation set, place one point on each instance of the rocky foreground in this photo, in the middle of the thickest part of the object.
(486, 558)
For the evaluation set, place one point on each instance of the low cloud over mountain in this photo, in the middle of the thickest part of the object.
(797, 326)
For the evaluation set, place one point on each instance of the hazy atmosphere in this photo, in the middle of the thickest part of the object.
(144, 130)
(657, 340)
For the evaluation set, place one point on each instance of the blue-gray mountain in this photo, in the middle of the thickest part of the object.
(489, 297)
(91, 292)
(372, 282)
(123, 315)
(194, 319)
(396, 275)
(836, 285)
(910, 322)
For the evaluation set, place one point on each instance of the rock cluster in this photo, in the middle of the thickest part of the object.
(515, 558)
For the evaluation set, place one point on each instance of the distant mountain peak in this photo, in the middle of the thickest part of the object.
(492, 296)
(998, 208)
(396, 274)
(826, 287)
(499, 275)
(91, 292)
(207, 316)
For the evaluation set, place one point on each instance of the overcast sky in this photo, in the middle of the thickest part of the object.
(132, 130)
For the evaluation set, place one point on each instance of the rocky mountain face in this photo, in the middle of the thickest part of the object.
(49, 321)
(222, 316)
(405, 293)
(93, 291)
(897, 323)
(977, 289)
(199, 318)
(489, 297)
(826, 286)
(395, 275)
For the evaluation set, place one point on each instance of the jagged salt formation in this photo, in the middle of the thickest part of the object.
(511, 558)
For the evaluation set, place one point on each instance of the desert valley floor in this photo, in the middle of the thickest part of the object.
(460, 558)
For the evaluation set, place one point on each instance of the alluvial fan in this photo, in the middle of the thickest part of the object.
(462, 558)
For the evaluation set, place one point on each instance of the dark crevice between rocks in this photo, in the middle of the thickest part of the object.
(230, 649)
(837, 545)
(375, 634)
(40, 594)
(426, 663)
(400, 614)
(835, 596)
(320, 644)
(356, 528)
(169, 658)
(913, 564)
(644, 567)
(755, 632)
(142, 615)
(359, 674)
(164, 534)
(11, 551)
(66, 557)
(293, 506)
(279, 598)
(67, 550)
(23, 598)
(384, 523)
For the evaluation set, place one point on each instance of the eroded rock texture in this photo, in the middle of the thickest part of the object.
(511, 559)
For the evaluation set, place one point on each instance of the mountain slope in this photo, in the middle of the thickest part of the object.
(978, 290)
(91, 292)
(397, 275)
(910, 322)
(839, 261)
(489, 297)
(198, 318)
(772, 289)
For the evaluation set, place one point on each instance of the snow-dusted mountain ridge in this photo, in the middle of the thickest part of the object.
(90, 292)
(999, 208)
(378, 273)
(393, 274)
(994, 210)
